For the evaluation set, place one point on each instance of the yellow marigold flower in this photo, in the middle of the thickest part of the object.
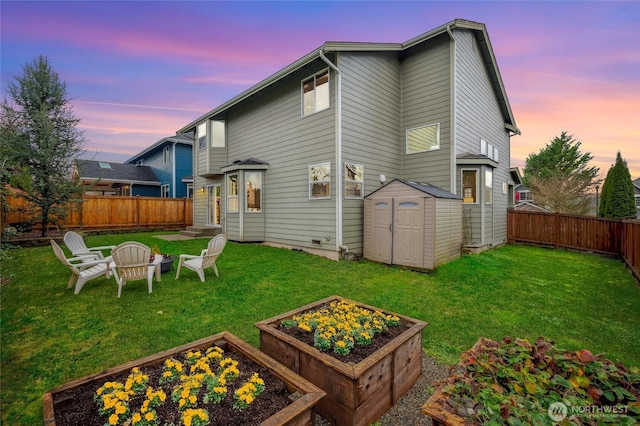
(182, 402)
(193, 398)
(113, 419)
(341, 343)
(149, 416)
(136, 418)
(121, 409)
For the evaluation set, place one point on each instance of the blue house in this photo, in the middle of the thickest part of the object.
(171, 159)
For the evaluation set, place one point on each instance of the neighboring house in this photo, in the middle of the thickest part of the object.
(636, 194)
(524, 200)
(289, 161)
(523, 194)
(105, 178)
(171, 159)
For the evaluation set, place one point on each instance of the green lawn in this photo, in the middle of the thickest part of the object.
(51, 336)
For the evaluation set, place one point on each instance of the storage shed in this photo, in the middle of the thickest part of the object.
(412, 224)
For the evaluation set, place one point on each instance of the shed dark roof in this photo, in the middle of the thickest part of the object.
(116, 172)
(424, 187)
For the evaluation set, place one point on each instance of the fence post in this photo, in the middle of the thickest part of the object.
(138, 212)
(556, 231)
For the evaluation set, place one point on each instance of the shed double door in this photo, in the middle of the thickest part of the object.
(397, 230)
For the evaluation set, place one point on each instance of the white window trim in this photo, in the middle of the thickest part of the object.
(310, 182)
(199, 128)
(477, 201)
(361, 182)
(246, 204)
(221, 141)
(315, 104)
(232, 196)
(166, 187)
(489, 150)
(406, 139)
(488, 187)
(166, 157)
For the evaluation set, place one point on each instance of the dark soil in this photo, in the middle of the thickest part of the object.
(76, 407)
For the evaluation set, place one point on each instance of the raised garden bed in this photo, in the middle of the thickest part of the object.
(358, 393)
(287, 399)
(517, 382)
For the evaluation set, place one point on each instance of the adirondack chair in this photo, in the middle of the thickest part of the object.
(131, 261)
(83, 268)
(206, 259)
(78, 247)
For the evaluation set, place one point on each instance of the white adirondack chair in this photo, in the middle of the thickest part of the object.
(206, 259)
(78, 247)
(82, 268)
(131, 262)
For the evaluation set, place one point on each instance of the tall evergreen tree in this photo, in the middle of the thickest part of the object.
(44, 140)
(617, 199)
(559, 176)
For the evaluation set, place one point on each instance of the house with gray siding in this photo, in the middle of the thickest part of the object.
(289, 161)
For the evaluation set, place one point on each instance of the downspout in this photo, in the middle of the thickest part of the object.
(339, 245)
(454, 168)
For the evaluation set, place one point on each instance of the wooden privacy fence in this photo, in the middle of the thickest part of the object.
(619, 237)
(110, 212)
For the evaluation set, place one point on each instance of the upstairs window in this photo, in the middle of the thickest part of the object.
(165, 155)
(422, 139)
(315, 93)
(202, 135)
(353, 180)
(232, 193)
(489, 150)
(218, 136)
(320, 181)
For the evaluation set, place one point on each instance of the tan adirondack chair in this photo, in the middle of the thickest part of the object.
(131, 262)
(206, 259)
(78, 247)
(83, 268)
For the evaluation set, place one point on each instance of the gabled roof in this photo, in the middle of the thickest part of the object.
(636, 183)
(423, 187)
(180, 139)
(108, 172)
(479, 29)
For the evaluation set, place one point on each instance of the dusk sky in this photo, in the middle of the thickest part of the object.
(138, 71)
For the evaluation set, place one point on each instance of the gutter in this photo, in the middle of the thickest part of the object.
(339, 245)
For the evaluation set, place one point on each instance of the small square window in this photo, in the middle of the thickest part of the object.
(164, 191)
(423, 139)
(353, 180)
(320, 181)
